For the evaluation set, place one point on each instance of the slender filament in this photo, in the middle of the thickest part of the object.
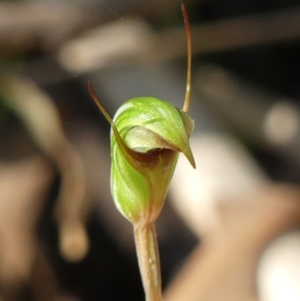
(124, 148)
(98, 103)
(186, 105)
(107, 116)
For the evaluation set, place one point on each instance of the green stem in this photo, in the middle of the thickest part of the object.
(148, 258)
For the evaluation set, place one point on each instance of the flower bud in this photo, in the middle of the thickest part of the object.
(146, 138)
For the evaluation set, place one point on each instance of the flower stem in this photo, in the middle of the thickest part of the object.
(148, 258)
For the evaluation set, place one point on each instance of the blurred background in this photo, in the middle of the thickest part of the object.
(230, 228)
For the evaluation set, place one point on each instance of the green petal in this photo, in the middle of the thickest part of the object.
(129, 188)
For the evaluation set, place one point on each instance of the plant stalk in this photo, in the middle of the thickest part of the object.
(149, 263)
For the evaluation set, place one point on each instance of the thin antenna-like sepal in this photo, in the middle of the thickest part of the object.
(186, 105)
(125, 149)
